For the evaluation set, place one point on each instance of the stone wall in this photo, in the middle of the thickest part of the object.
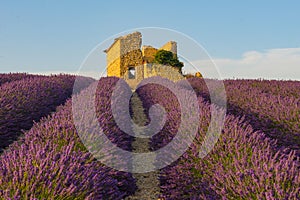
(172, 73)
(131, 54)
(113, 59)
(123, 53)
(113, 69)
(148, 70)
(148, 53)
(170, 46)
(126, 53)
(131, 59)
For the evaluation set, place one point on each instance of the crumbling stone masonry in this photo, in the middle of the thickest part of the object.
(126, 59)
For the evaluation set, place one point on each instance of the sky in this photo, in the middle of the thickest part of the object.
(253, 39)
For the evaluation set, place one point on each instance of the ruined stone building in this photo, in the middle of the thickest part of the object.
(128, 60)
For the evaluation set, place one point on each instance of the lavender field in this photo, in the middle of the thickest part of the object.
(42, 156)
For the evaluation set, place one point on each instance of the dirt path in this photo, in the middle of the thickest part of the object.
(147, 183)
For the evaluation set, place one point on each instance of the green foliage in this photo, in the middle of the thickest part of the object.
(167, 58)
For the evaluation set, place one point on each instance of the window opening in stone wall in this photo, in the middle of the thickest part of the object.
(131, 73)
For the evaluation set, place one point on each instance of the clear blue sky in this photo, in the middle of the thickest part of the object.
(57, 35)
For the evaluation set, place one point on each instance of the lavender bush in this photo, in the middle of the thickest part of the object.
(27, 100)
(50, 162)
(149, 96)
(10, 77)
(270, 106)
(107, 122)
(243, 164)
(275, 87)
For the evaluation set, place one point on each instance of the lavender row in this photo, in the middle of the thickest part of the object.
(242, 165)
(105, 114)
(25, 101)
(152, 94)
(265, 107)
(282, 88)
(10, 77)
(51, 162)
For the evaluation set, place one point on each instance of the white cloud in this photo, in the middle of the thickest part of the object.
(270, 64)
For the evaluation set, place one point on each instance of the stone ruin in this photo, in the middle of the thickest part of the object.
(126, 59)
